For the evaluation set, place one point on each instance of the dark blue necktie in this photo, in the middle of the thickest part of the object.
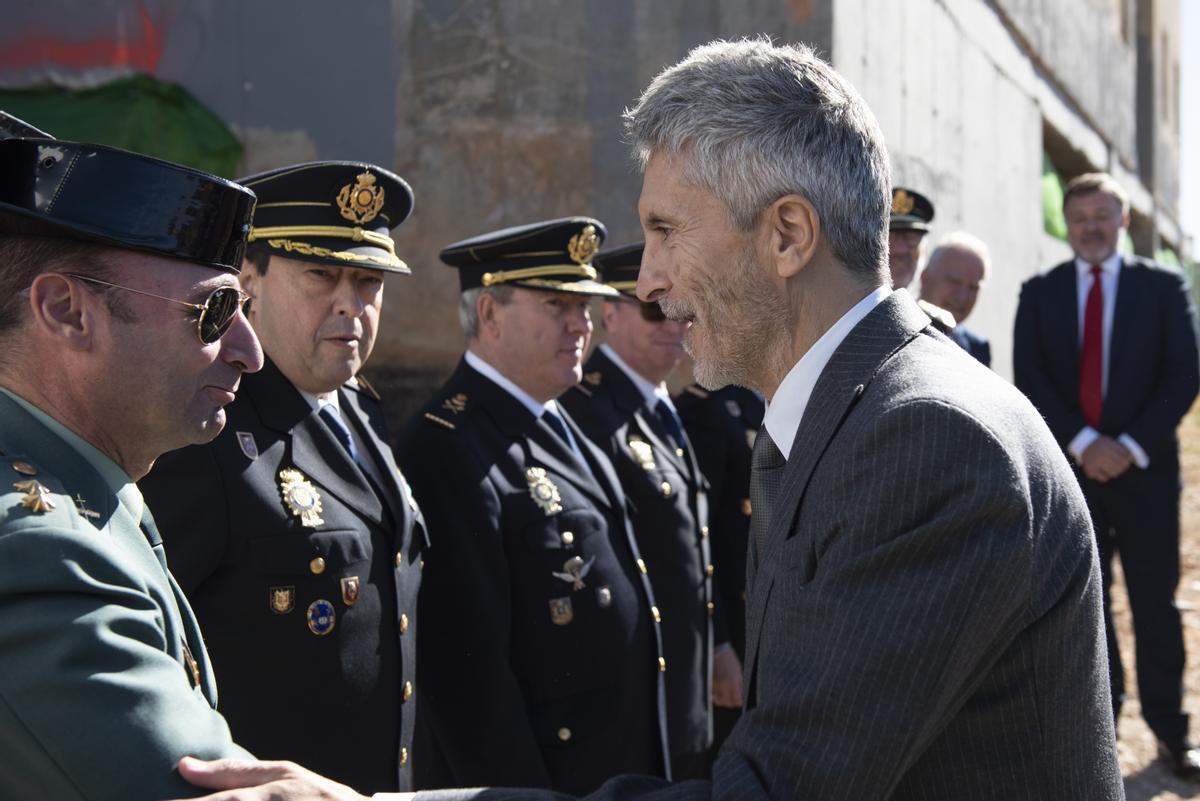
(559, 427)
(338, 426)
(670, 421)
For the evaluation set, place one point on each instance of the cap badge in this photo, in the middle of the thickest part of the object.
(247, 444)
(457, 404)
(584, 245)
(350, 587)
(543, 491)
(283, 599)
(361, 203)
(300, 496)
(321, 617)
(642, 452)
(561, 612)
(902, 202)
(37, 496)
(574, 571)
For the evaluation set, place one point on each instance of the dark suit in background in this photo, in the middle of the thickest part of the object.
(670, 521)
(529, 678)
(1152, 381)
(721, 426)
(972, 343)
(334, 692)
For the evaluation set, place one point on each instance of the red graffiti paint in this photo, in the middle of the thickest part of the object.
(141, 53)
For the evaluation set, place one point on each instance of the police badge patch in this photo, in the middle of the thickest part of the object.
(561, 611)
(247, 444)
(301, 497)
(283, 599)
(543, 491)
(350, 587)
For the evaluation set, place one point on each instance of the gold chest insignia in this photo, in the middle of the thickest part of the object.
(584, 245)
(642, 452)
(561, 611)
(902, 202)
(300, 496)
(37, 496)
(283, 599)
(361, 203)
(574, 571)
(543, 491)
(457, 404)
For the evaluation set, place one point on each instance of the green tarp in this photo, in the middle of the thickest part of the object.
(1052, 200)
(138, 113)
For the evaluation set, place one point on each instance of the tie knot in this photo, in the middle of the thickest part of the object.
(766, 454)
(1096, 270)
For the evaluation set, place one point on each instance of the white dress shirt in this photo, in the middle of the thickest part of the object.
(651, 394)
(364, 461)
(1110, 274)
(786, 409)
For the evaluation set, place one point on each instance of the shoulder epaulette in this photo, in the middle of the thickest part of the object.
(365, 387)
(435, 419)
(583, 389)
(695, 389)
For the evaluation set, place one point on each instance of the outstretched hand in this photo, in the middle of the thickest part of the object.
(251, 780)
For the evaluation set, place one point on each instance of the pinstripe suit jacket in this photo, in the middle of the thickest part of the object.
(924, 620)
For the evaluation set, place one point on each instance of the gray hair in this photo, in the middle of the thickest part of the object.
(755, 122)
(964, 243)
(468, 306)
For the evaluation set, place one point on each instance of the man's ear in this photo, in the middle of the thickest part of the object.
(63, 310)
(795, 234)
(485, 310)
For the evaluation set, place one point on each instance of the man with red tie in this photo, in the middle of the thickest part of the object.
(1105, 347)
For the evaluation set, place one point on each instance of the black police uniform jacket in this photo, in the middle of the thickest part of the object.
(722, 426)
(310, 625)
(670, 521)
(539, 657)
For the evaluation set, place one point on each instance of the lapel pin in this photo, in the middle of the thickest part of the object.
(575, 569)
(561, 612)
(247, 444)
(37, 496)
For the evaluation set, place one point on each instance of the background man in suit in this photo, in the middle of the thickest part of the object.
(1105, 347)
(293, 533)
(951, 280)
(106, 683)
(540, 649)
(924, 601)
(624, 407)
(721, 425)
(908, 223)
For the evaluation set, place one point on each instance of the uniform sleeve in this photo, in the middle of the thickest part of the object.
(471, 701)
(187, 497)
(92, 706)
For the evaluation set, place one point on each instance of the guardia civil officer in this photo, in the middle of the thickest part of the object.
(908, 224)
(623, 406)
(121, 337)
(721, 426)
(540, 655)
(293, 533)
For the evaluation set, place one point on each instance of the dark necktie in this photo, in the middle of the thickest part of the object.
(1091, 354)
(670, 421)
(559, 427)
(338, 426)
(766, 476)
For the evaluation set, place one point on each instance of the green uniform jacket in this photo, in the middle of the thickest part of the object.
(104, 681)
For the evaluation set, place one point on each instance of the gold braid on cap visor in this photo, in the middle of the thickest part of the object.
(278, 236)
(504, 276)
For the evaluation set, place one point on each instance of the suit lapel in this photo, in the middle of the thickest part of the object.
(315, 451)
(887, 328)
(380, 452)
(1064, 303)
(1122, 341)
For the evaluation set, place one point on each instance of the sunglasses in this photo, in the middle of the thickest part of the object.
(651, 312)
(216, 312)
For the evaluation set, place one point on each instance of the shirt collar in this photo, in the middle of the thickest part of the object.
(317, 401)
(1110, 266)
(535, 407)
(650, 394)
(786, 409)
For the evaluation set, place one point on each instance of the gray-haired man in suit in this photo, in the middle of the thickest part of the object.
(924, 595)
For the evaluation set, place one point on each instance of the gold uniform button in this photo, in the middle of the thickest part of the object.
(317, 566)
(568, 537)
(708, 570)
(564, 734)
(655, 614)
(662, 665)
(407, 692)
(25, 468)
(709, 606)
(399, 560)
(704, 531)
(679, 452)
(666, 488)
(403, 624)
(746, 507)
(641, 565)
(421, 565)
(403, 757)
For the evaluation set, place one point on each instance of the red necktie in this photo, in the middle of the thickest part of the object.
(1091, 357)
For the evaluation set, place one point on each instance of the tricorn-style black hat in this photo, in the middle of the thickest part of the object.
(911, 211)
(94, 193)
(619, 267)
(333, 212)
(554, 255)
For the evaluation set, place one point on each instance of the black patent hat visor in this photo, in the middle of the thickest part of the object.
(113, 197)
